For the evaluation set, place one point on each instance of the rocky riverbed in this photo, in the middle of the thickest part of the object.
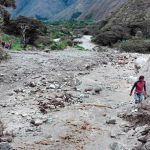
(71, 100)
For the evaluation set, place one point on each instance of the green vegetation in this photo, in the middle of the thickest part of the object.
(22, 32)
(72, 24)
(58, 45)
(16, 42)
(55, 36)
(135, 45)
(79, 47)
(62, 44)
(66, 31)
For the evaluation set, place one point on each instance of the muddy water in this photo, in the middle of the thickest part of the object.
(81, 124)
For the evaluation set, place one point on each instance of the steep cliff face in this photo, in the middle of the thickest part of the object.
(67, 9)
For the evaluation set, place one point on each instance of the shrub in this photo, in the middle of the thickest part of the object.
(59, 45)
(140, 46)
(17, 46)
(79, 47)
(16, 42)
(69, 42)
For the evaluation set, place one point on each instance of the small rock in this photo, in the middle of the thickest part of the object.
(10, 94)
(137, 147)
(32, 122)
(142, 139)
(49, 120)
(145, 131)
(38, 129)
(52, 106)
(97, 49)
(142, 130)
(7, 139)
(88, 89)
(47, 50)
(8, 132)
(59, 99)
(32, 84)
(121, 62)
(111, 121)
(19, 91)
(115, 133)
(87, 66)
(131, 79)
(24, 115)
(98, 90)
(105, 63)
(59, 95)
(52, 86)
(29, 130)
(36, 122)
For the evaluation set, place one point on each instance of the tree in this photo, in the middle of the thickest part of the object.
(4, 18)
(24, 27)
(27, 28)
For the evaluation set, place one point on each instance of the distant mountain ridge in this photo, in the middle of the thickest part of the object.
(66, 9)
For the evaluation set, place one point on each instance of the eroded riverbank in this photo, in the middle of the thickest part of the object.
(66, 100)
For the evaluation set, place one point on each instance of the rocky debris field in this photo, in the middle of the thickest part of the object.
(67, 100)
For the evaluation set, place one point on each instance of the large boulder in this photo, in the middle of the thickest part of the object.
(140, 62)
(132, 79)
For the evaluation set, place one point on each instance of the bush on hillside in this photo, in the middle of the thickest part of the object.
(140, 46)
(112, 35)
(44, 40)
(58, 45)
(79, 47)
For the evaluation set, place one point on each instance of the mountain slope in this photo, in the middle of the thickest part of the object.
(95, 9)
(38, 8)
(123, 24)
(67, 9)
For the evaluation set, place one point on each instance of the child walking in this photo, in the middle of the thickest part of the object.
(140, 92)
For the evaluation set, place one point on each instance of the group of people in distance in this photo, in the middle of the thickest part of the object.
(7, 45)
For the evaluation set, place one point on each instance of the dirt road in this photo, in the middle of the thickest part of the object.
(66, 99)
